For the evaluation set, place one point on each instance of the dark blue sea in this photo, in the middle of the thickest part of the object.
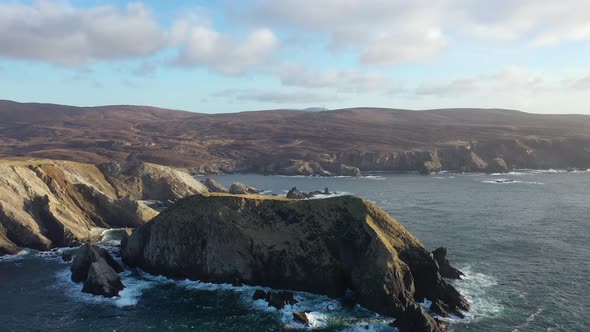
(523, 240)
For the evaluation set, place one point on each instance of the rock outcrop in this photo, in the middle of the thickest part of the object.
(497, 165)
(242, 189)
(323, 246)
(46, 204)
(214, 186)
(98, 270)
(295, 193)
(275, 299)
(445, 268)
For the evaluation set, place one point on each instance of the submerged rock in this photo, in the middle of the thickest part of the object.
(321, 246)
(445, 268)
(242, 189)
(214, 186)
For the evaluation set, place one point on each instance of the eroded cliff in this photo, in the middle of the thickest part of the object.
(44, 204)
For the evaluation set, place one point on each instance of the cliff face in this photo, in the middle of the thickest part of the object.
(322, 246)
(44, 203)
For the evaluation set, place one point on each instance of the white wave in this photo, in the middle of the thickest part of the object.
(476, 288)
(320, 309)
(372, 177)
(27, 253)
(111, 237)
(129, 296)
(336, 194)
(531, 318)
(18, 256)
(510, 181)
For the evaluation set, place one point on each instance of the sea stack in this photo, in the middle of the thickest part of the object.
(323, 246)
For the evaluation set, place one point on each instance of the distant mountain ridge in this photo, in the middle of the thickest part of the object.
(330, 142)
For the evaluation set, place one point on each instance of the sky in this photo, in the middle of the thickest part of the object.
(243, 55)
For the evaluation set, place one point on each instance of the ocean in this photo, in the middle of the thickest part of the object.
(523, 240)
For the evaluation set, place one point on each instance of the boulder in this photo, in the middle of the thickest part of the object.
(301, 317)
(242, 189)
(445, 268)
(214, 186)
(275, 299)
(88, 254)
(102, 280)
(415, 319)
(125, 237)
(443, 310)
(323, 246)
(66, 256)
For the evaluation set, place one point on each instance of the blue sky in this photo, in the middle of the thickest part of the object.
(227, 56)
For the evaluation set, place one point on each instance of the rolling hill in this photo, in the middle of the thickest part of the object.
(345, 141)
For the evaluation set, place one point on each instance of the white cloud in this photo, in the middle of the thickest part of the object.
(57, 33)
(537, 23)
(381, 31)
(389, 32)
(577, 83)
(340, 80)
(201, 45)
(512, 80)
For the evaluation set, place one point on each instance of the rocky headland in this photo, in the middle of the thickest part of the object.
(49, 203)
(330, 246)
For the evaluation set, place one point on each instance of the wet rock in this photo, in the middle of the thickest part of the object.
(102, 280)
(440, 308)
(445, 268)
(415, 319)
(301, 317)
(66, 256)
(88, 254)
(125, 238)
(275, 299)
